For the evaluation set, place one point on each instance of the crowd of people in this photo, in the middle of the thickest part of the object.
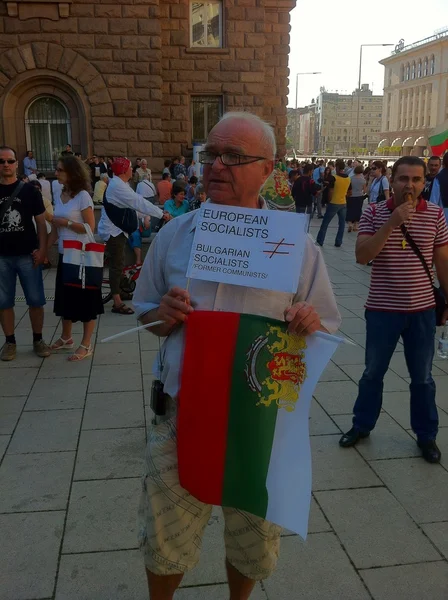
(331, 188)
(405, 210)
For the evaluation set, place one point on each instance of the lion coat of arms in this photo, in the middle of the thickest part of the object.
(275, 367)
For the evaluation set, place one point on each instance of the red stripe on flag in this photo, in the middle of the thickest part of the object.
(204, 401)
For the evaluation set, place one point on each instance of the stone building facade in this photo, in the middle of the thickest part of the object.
(137, 77)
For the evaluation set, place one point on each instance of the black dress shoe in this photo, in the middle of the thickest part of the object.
(430, 451)
(352, 437)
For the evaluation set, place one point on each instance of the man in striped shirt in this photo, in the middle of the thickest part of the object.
(401, 301)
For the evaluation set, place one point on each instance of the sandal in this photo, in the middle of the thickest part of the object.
(122, 309)
(63, 345)
(78, 357)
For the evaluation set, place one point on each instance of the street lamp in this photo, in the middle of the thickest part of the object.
(297, 96)
(359, 84)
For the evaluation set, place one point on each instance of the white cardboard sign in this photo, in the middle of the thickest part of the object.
(250, 247)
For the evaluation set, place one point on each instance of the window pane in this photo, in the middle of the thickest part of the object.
(206, 24)
(213, 25)
(48, 129)
(198, 117)
(213, 113)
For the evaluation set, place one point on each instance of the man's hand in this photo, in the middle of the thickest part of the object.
(166, 216)
(401, 214)
(174, 307)
(39, 257)
(302, 319)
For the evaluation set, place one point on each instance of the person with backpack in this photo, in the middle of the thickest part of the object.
(304, 190)
(119, 220)
(378, 188)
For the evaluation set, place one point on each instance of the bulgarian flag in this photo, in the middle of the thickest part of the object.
(243, 413)
(438, 140)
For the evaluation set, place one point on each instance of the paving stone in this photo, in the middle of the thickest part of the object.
(46, 431)
(420, 487)
(441, 364)
(392, 382)
(32, 482)
(413, 582)
(442, 442)
(438, 534)
(333, 373)
(389, 536)
(17, 384)
(336, 398)
(442, 392)
(211, 568)
(105, 331)
(387, 440)
(102, 576)
(58, 365)
(102, 516)
(320, 423)
(25, 359)
(399, 366)
(315, 569)
(110, 379)
(149, 341)
(349, 355)
(24, 337)
(336, 468)
(114, 410)
(52, 394)
(217, 592)
(148, 359)
(353, 325)
(359, 339)
(317, 522)
(110, 454)
(4, 441)
(113, 353)
(351, 301)
(29, 556)
(10, 409)
(397, 405)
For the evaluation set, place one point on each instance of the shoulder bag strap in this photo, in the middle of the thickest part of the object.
(11, 199)
(416, 250)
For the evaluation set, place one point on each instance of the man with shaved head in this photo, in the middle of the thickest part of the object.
(238, 158)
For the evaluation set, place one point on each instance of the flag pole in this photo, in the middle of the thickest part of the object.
(133, 330)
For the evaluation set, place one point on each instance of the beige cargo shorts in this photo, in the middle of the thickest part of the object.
(172, 521)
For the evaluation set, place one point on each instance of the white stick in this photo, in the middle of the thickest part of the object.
(117, 335)
(334, 338)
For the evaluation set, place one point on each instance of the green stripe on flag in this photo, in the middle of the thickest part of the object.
(250, 427)
(438, 139)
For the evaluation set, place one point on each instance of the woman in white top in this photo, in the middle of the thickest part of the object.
(72, 212)
(378, 187)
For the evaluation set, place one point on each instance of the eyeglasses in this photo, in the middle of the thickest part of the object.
(228, 159)
(10, 161)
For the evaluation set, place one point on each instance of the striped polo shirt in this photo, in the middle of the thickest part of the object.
(399, 282)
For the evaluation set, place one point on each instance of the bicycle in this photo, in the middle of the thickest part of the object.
(128, 281)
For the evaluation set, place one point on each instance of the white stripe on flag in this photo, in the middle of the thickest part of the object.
(289, 474)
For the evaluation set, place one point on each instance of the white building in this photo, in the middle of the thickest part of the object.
(415, 93)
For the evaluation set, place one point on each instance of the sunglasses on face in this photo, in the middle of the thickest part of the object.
(9, 161)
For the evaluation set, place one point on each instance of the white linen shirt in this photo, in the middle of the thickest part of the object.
(166, 265)
(121, 194)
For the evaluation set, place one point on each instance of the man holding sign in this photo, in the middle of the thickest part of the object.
(238, 158)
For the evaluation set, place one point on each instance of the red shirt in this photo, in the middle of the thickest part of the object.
(164, 188)
(399, 282)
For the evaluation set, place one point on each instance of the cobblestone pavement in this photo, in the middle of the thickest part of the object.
(72, 439)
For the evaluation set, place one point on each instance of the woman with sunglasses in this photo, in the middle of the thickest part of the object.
(378, 187)
(73, 218)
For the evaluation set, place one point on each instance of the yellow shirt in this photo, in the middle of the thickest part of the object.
(340, 189)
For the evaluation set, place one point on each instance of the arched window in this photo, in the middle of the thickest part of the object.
(413, 71)
(425, 67)
(419, 69)
(432, 67)
(48, 131)
(407, 72)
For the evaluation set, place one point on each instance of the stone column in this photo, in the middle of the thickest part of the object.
(408, 110)
(420, 107)
(426, 108)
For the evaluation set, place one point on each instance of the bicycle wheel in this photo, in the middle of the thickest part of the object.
(106, 293)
